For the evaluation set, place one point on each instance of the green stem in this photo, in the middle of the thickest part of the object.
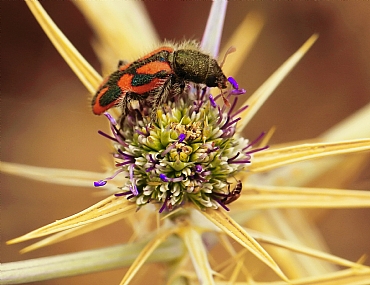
(85, 262)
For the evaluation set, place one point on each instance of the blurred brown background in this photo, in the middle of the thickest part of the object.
(46, 118)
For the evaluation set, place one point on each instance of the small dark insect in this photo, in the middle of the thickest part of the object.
(234, 194)
(154, 77)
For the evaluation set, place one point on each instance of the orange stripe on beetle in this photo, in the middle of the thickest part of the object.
(155, 66)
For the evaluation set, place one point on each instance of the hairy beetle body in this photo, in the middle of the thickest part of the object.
(154, 77)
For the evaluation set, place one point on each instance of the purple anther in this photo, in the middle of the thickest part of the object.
(213, 102)
(163, 177)
(233, 82)
(182, 137)
(99, 183)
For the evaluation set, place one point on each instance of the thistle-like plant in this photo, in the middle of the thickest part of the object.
(179, 176)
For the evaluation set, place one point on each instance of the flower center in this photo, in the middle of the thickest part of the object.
(187, 155)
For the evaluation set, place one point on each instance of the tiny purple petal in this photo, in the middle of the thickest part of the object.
(229, 132)
(238, 92)
(233, 82)
(140, 132)
(168, 149)
(257, 149)
(213, 102)
(261, 135)
(107, 136)
(134, 190)
(131, 170)
(219, 115)
(177, 179)
(240, 110)
(99, 183)
(234, 157)
(122, 163)
(240, 161)
(150, 169)
(205, 173)
(231, 123)
(182, 137)
(198, 168)
(232, 106)
(111, 119)
(163, 177)
(163, 207)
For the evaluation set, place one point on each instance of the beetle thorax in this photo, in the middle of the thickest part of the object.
(191, 65)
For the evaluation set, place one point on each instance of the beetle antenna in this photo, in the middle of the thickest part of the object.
(226, 102)
(230, 50)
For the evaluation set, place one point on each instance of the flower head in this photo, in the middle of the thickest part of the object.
(191, 153)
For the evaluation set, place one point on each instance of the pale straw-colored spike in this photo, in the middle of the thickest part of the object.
(243, 39)
(198, 254)
(342, 277)
(104, 209)
(84, 71)
(295, 229)
(355, 126)
(73, 232)
(237, 233)
(213, 32)
(273, 158)
(268, 197)
(145, 254)
(122, 27)
(69, 177)
(294, 247)
(256, 100)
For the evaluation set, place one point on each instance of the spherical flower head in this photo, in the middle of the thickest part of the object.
(190, 153)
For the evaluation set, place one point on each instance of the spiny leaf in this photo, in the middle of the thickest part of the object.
(106, 208)
(84, 71)
(198, 254)
(256, 100)
(272, 158)
(236, 232)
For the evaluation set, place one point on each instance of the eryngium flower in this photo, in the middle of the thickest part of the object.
(189, 154)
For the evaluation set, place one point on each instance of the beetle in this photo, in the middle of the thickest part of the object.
(234, 194)
(154, 77)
